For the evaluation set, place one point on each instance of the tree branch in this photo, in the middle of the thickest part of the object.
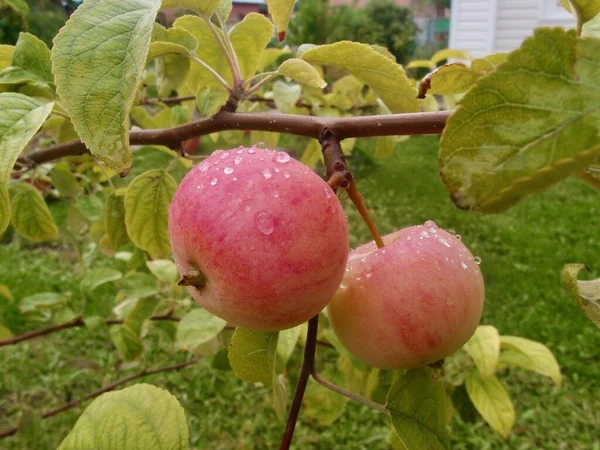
(307, 366)
(309, 126)
(110, 387)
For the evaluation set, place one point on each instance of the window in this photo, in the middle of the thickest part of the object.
(551, 11)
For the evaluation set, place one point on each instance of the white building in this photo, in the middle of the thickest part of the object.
(491, 26)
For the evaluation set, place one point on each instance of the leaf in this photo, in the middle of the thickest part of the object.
(224, 9)
(286, 95)
(171, 41)
(202, 7)
(5, 292)
(139, 285)
(322, 405)
(64, 180)
(252, 355)
(19, 6)
(171, 71)
(127, 342)
(91, 206)
(20, 118)
(280, 11)
(386, 145)
(525, 126)
(453, 78)
(30, 215)
(285, 346)
(6, 54)
(280, 395)
(164, 269)
(98, 58)
(266, 137)
(137, 417)
(442, 55)
(142, 311)
(249, 39)
(421, 64)
(210, 100)
(311, 154)
(5, 333)
(585, 293)
(302, 72)
(114, 220)
(530, 355)
(146, 214)
(484, 348)
(491, 401)
(41, 301)
(198, 327)
(30, 61)
(585, 10)
(268, 57)
(385, 77)
(100, 276)
(419, 408)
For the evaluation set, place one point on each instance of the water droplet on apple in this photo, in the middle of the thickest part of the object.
(286, 175)
(463, 265)
(261, 145)
(282, 157)
(264, 222)
(251, 150)
(267, 174)
(443, 241)
(430, 224)
(204, 166)
(275, 194)
(213, 181)
(237, 160)
(228, 171)
(458, 237)
(477, 260)
(246, 208)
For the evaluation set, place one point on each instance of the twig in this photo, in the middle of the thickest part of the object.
(213, 72)
(110, 387)
(307, 367)
(345, 393)
(168, 100)
(309, 126)
(361, 206)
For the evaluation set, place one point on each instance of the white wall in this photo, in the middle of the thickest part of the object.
(472, 26)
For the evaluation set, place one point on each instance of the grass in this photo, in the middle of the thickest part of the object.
(522, 251)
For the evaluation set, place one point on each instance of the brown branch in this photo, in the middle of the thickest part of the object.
(307, 366)
(309, 126)
(110, 387)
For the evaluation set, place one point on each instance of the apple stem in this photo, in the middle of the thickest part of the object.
(307, 367)
(339, 175)
(345, 393)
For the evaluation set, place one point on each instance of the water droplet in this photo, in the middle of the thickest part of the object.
(234, 178)
(237, 160)
(477, 260)
(430, 224)
(276, 170)
(449, 303)
(282, 157)
(267, 174)
(275, 194)
(228, 171)
(347, 218)
(383, 251)
(264, 222)
(443, 241)
(239, 152)
(344, 284)
(368, 275)
(201, 186)
(204, 166)
(262, 159)
(224, 155)
(251, 150)
(217, 162)
(463, 265)
(213, 181)
(286, 175)
(409, 238)
(261, 145)
(217, 169)
(363, 259)
(458, 236)
(246, 208)
(357, 278)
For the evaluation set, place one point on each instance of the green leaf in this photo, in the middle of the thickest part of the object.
(64, 180)
(385, 77)
(421, 64)
(146, 214)
(448, 54)
(203, 7)
(100, 276)
(452, 78)
(484, 348)
(127, 342)
(529, 355)
(142, 311)
(210, 100)
(164, 269)
(249, 39)
(302, 72)
(98, 59)
(171, 72)
(492, 401)
(268, 57)
(91, 206)
(286, 95)
(5, 333)
(585, 293)
(589, 29)
(171, 41)
(280, 395)
(312, 154)
(525, 126)
(41, 301)
(114, 220)
(321, 404)
(137, 417)
(20, 118)
(6, 54)
(280, 11)
(19, 6)
(585, 10)
(224, 9)
(333, 339)
(252, 355)
(30, 61)
(285, 346)
(30, 215)
(386, 145)
(5, 292)
(266, 137)
(139, 285)
(198, 327)
(420, 410)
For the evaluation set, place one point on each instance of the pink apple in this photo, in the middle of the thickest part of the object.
(410, 303)
(260, 239)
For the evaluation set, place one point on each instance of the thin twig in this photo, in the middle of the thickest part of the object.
(236, 70)
(110, 387)
(168, 100)
(361, 206)
(258, 85)
(345, 393)
(213, 72)
(307, 366)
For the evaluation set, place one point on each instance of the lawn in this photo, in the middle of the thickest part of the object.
(522, 254)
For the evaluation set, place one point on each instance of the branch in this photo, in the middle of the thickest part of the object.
(309, 126)
(110, 387)
(307, 367)
(168, 100)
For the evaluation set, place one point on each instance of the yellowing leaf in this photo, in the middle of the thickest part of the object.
(280, 11)
(64, 180)
(252, 355)
(585, 293)
(146, 214)
(6, 54)
(529, 355)
(203, 7)
(484, 348)
(268, 57)
(525, 126)
(198, 327)
(249, 39)
(114, 217)
(5, 292)
(421, 64)
(385, 147)
(98, 58)
(302, 72)
(5, 333)
(585, 10)
(141, 416)
(210, 100)
(30, 215)
(312, 154)
(385, 77)
(30, 62)
(491, 401)
(20, 118)
(164, 270)
(286, 95)
(280, 395)
(448, 54)
(171, 41)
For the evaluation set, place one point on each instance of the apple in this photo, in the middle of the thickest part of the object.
(259, 239)
(411, 303)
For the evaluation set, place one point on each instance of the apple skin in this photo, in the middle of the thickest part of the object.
(411, 303)
(266, 233)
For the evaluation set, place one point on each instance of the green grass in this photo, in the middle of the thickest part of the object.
(522, 251)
